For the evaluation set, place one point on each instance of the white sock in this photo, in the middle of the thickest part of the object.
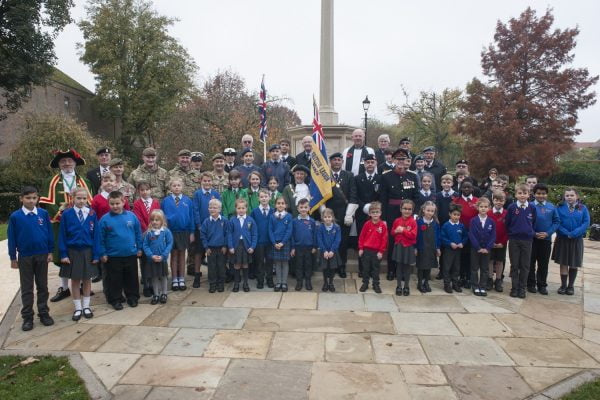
(77, 304)
(86, 302)
(64, 283)
(181, 280)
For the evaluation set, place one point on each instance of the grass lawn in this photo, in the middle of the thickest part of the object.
(588, 391)
(47, 378)
(3, 228)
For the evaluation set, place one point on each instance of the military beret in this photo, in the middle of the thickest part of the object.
(274, 147)
(218, 156)
(405, 140)
(370, 157)
(229, 151)
(300, 168)
(400, 153)
(462, 162)
(419, 157)
(149, 151)
(429, 148)
(335, 155)
(184, 152)
(246, 151)
(197, 156)
(102, 150)
(115, 161)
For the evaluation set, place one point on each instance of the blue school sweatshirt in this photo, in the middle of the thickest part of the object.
(454, 233)
(180, 218)
(262, 223)
(280, 229)
(77, 235)
(29, 235)
(482, 237)
(158, 245)
(214, 233)
(443, 205)
(248, 232)
(519, 222)
(329, 240)
(546, 218)
(436, 229)
(573, 224)
(304, 232)
(201, 200)
(120, 235)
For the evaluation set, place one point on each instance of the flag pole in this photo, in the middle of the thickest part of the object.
(265, 150)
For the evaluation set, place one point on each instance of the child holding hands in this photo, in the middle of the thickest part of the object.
(158, 242)
(404, 230)
(482, 234)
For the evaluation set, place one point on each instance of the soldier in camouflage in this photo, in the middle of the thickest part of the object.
(150, 172)
(117, 167)
(183, 170)
(219, 176)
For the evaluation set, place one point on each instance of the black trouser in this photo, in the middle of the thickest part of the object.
(262, 262)
(147, 282)
(451, 264)
(34, 268)
(339, 213)
(303, 261)
(391, 212)
(371, 265)
(519, 252)
(216, 266)
(480, 265)
(121, 276)
(540, 253)
(465, 262)
(361, 218)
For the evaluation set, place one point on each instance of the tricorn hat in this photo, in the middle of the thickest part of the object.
(71, 153)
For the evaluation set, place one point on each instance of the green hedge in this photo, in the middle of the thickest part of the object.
(577, 173)
(9, 202)
(588, 195)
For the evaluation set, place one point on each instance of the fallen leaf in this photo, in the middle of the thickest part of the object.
(29, 360)
(60, 373)
(200, 389)
(389, 344)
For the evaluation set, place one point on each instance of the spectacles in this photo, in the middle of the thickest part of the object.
(406, 209)
(247, 141)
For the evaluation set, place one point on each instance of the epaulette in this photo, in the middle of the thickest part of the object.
(386, 171)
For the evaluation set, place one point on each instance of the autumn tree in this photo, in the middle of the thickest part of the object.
(27, 32)
(142, 73)
(525, 114)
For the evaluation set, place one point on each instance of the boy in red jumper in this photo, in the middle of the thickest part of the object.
(142, 208)
(468, 202)
(372, 243)
(498, 256)
(100, 201)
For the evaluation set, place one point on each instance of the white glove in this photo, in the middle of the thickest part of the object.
(322, 208)
(350, 210)
(348, 220)
(366, 208)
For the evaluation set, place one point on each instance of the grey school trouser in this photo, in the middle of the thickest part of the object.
(519, 253)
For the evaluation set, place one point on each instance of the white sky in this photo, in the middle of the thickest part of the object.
(380, 45)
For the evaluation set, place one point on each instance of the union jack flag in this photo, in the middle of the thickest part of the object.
(318, 129)
(262, 110)
(320, 184)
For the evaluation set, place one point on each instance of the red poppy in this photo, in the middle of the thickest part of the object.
(423, 227)
(349, 155)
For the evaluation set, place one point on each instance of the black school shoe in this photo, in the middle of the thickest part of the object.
(260, 285)
(132, 302)
(447, 287)
(212, 288)
(221, 287)
(514, 292)
(245, 287)
(163, 298)
(376, 288)
(154, 300)
(406, 291)
(542, 290)
(398, 291)
(531, 289)
(570, 291)
(117, 306)
(364, 287)
(456, 287)
(298, 286)
(87, 313)
(391, 276)
(27, 324)
(427, 287)
(562, 290)
(46, 319)
(77, 315)
(60, 295)
(270, 283)
(498, 286)
(284, 287)
(522, 293)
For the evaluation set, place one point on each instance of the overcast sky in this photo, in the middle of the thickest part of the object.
(380, 46)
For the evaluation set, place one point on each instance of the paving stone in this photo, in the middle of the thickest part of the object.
(130, 392)
(319, 321)
(341, 302)
(593, 349)
(180, 393)
(487, 382)
(182, 371)
(546, 353)
(201, 298)
(127, 316)
(424, 324)
(431, 393)
(522, 326)
(162, 315)
(57, 339)
(474, 304)
(591, 303)
(357, 381)
(239, 344)
(210, 318)
(428, 304)
(253, 300)
(540, 378)
(480, 325)
(93, 338)
(392, 349)
(109, 367)
(348, 348)
(423, 375)
(189, 342)
(379, 302)
(503, 301)
(591, 321)
(299, 300)
(138, 340)
(297, 346)
(564, 316)
(592, 335)
(464, 351)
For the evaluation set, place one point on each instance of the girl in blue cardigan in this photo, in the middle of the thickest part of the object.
(280, 235)
(329, 236)
(429, 242)
(242, 240)
(482, 234)
(157, 244)
(568, 246)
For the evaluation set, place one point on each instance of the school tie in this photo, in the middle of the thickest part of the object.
(176, 200)
(498, 213)
(80, 214)
(265, 212)
(571, 208)
(446, 194)
(31, 213)
(147, 204)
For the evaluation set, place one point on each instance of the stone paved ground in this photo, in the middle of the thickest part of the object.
(346, 345)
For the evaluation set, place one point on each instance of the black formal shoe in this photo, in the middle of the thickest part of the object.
(490, 284)
(514, 292)
(163, 298)
(543, 290)
(331, 287)
(298, 286)
(522, 294)
(309, 284)
(325, 286)
(364, 287)
(456, 287)
(377, 288)
(270, 283)
(342, 271)
(87, 313)
(422, 288)
(196, 283)
(284, 287)
(498, 286)
(60, 295)
(562, 290)
(390, 276)
(46, 319)
(483, 292)
(427, 287)
(570, 291)
(467, 284)
(154, 300)
(97, 279)
(447, 288)
(398, 291)
(245, 287)
(439, 276)
(260, 285)
(236, 287)
(76, 315)
(277, 288)
(117, 306)
(212, 288)
(221, 287)
(147, 292)
(27, 324)
(406, 291)
(132, 302)
(251, 276)
(531, 289)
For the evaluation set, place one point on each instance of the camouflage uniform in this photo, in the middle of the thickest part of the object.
(190, 179)
(128, 191)
(156, 177)
(220, 183)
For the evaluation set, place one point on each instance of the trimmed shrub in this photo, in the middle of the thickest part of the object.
(9, 202)
(577, 173)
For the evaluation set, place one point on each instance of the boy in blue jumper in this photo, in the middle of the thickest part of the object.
(262, 260)
(213, 232)
(520, 220)
(120, 245)
(304, 244)
(546, 223)
(179, 210)
(482, 234)
(454, 237)
(242, 238)
(202, 198)
(30, 236)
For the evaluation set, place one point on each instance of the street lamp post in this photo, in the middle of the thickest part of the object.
(366, 103)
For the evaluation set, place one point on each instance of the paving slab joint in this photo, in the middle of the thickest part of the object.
(557, 391)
